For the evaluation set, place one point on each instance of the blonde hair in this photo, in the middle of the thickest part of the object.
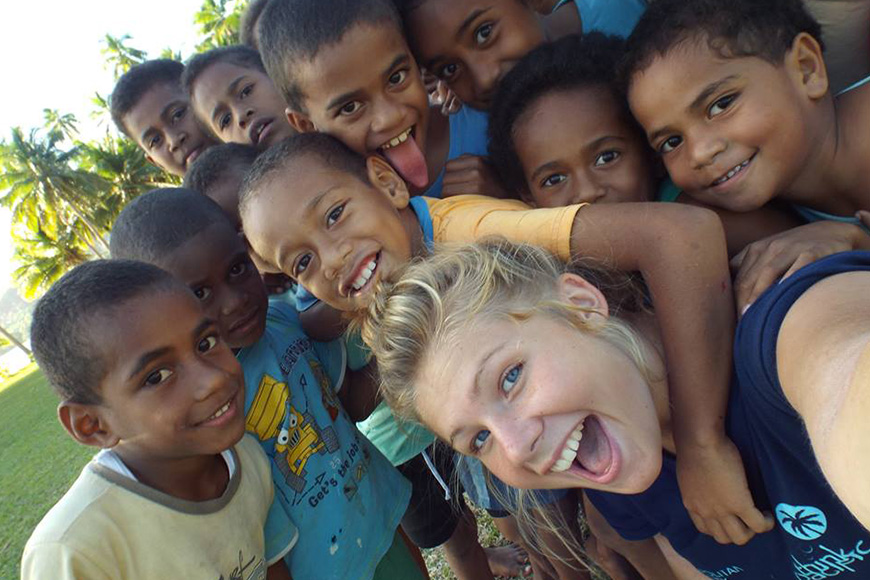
(433, 300)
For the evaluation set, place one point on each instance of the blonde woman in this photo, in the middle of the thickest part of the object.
(509, 358)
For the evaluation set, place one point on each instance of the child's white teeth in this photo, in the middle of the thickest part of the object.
(220, 411)
(397, 140)
(732, 173)
(569, 453)
(364, 275)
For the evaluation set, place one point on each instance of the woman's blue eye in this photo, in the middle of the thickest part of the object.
(554, 179)
(721, 104)
(670, 144)
(511, 378)
(224, 121)
(606, 158)
(479, 440)
(178, 114)
(246, 91)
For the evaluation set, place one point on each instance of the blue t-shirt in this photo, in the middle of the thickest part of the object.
(616, 17)
(468, 136)
(815, 535)
(342, 494)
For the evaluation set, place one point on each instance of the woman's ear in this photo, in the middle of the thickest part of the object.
(86, 424)
(807, 60)
(385, 179)
(577, 291)
(300, 122)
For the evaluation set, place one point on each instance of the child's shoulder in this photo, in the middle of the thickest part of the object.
(76, 527)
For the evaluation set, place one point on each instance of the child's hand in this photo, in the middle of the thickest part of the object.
(864, 216)
(471, 175)
(762, 263)
(714, 489)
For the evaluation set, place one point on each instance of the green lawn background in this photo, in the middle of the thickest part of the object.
(38, 462)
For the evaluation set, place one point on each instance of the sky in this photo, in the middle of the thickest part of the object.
(51, 59)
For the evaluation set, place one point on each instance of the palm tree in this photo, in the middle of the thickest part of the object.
(45, 191)
(44, 258)
(125, 172)
(218, 25)
(120, 56)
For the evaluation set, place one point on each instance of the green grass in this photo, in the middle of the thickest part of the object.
(38, 461)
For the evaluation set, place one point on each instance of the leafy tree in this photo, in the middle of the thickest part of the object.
(45, 191)
(121, 57)
(218, 23)
(44, 258)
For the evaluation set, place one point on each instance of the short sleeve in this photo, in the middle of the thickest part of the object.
(304, 299)
(469, 218)
(61, 562)
(280, 533)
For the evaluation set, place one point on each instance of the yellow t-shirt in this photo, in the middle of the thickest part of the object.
(468, 218)
(110, 527)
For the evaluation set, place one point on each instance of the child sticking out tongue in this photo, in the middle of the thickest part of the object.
(406, 158)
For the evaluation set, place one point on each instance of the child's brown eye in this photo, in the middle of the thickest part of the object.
(333, 215)
(721, 104)
(398, 77)
(157, 377)
(482, 34)
(606, 157)
(207, 343)
(203, 293)
(448, 71)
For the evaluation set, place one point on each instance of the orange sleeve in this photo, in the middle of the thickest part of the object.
(467, 218)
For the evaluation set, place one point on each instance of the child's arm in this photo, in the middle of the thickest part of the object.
(323, 322)
(823, 362)
(359, 394)
(471, 175)
(278, 571)
(680, 250)
(744, 228)
(762, 263)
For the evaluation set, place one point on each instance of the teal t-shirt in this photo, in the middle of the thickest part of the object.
(339, 490)
(399, 441)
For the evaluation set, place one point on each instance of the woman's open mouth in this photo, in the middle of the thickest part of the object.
(589, 452)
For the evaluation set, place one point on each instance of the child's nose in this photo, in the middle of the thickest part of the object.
(587, 189)
(704, 149)
(387, 116)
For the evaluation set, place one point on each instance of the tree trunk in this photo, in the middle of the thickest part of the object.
(11, 338)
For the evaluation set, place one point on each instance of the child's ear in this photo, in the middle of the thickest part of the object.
(809, 62)
(300, 122)
(86, 424)
(383, 177)
(579, 292)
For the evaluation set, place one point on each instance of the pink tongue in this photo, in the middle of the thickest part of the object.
(407, 159)
(594, 452)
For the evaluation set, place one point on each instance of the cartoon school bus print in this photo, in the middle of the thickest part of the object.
(297, 435)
